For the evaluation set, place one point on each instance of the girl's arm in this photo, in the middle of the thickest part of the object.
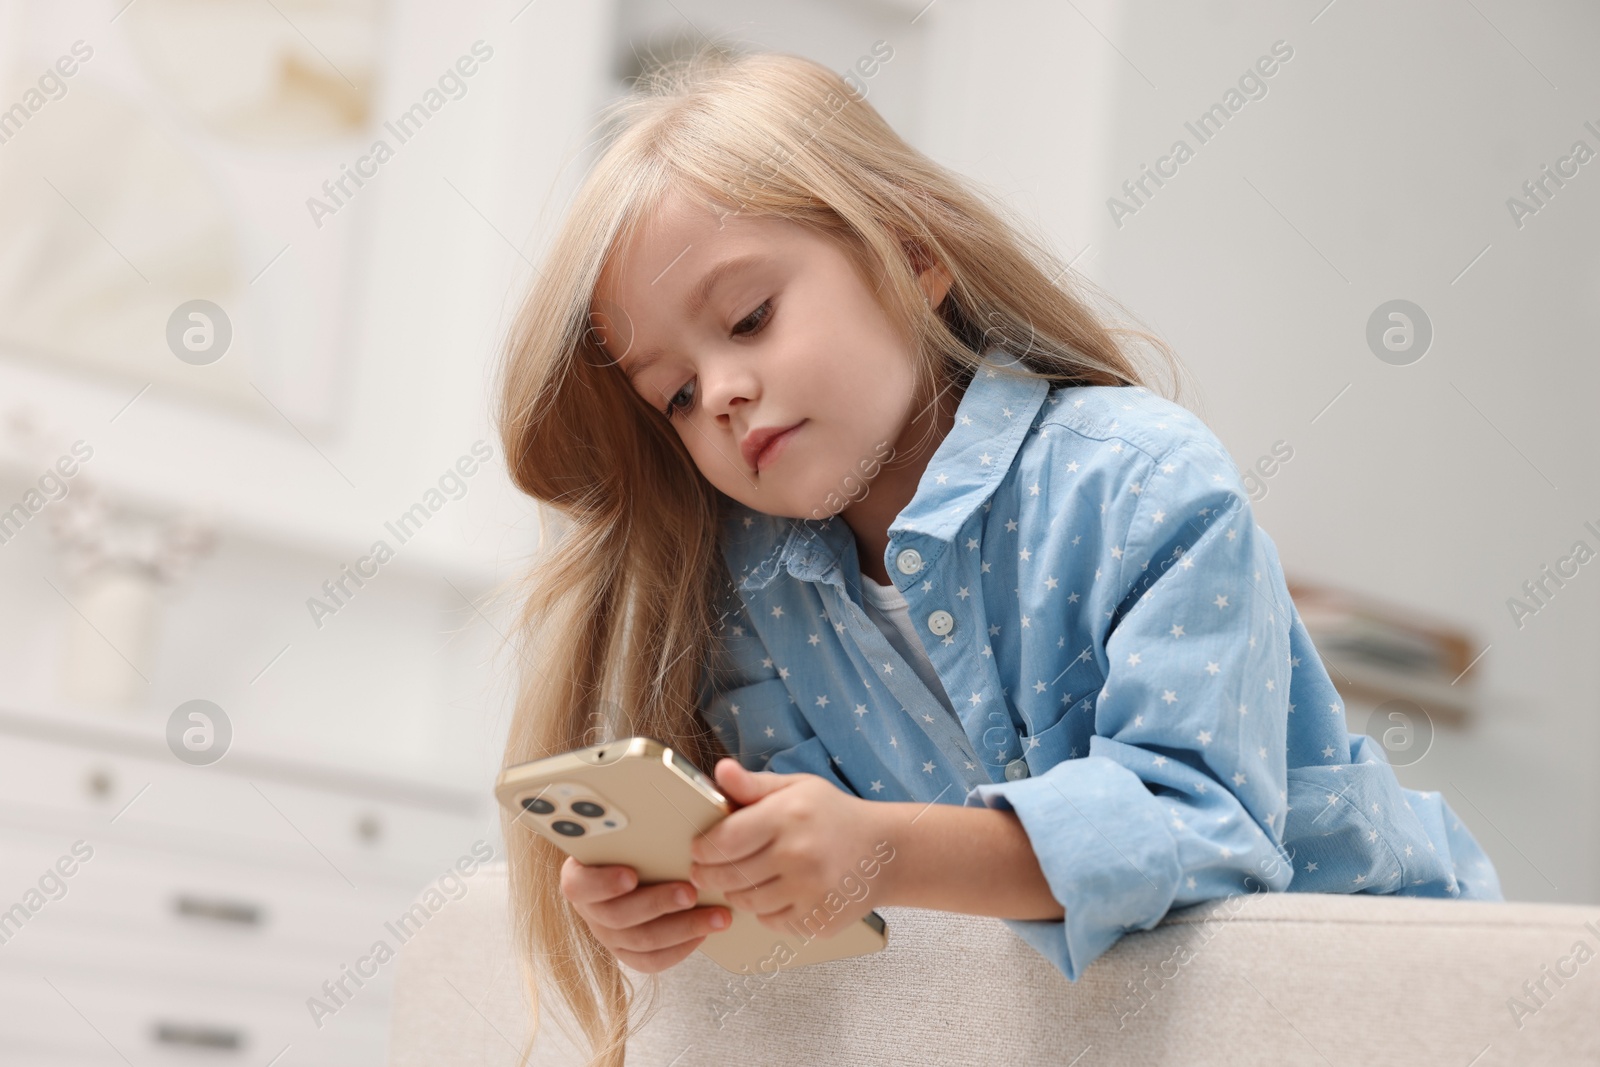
(800, 848)
(977, 861)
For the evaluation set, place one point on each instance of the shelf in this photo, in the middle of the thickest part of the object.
(1376, 651)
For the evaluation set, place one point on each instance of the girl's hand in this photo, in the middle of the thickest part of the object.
(647, 927)
(800, 841)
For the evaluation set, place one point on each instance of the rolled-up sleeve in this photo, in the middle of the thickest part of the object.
(748, 706)
(1182, 794)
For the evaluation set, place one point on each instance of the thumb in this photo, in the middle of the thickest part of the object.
(746, 787)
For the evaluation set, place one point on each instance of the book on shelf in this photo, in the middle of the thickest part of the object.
(1376, 650)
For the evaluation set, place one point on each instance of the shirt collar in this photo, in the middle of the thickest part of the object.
(994, 415)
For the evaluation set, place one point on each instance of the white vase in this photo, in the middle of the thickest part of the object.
(108, 656)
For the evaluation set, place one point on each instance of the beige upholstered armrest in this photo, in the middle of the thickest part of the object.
(1265, 979)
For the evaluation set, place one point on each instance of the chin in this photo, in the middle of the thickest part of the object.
(804, 506)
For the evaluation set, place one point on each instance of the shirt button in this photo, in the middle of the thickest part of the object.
(1017, 768)
(909, 561)
(941, 622)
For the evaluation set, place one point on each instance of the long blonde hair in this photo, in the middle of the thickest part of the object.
(618, 625)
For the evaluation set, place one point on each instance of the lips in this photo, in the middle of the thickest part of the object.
(758, 443)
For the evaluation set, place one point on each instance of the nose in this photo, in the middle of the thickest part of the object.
(725, 383)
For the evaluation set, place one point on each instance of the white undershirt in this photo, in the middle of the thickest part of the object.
(886, 606)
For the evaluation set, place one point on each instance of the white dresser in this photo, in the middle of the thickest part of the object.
(206, 906)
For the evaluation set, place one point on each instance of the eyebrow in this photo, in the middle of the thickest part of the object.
(697, 299)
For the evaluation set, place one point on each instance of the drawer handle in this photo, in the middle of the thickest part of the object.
(198, 1036)
(223, 911)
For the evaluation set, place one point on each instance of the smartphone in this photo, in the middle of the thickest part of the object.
(636, 802)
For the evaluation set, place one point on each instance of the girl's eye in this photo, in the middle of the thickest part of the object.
(672, 401)
(760, 317)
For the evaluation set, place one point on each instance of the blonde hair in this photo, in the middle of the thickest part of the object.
(619, 618)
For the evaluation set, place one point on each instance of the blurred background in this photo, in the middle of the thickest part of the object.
(256, 258)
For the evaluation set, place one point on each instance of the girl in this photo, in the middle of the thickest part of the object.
(873, 515)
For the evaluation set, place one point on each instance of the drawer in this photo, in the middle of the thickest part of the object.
(66, 1019)
(199, 809)
(192, 916)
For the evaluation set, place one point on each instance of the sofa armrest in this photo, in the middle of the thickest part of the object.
(1266, 978)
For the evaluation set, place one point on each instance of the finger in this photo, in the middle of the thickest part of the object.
(583, 884)
(740, 835)
(744, 874)
(670, 930)
(643, 904)
(774, 894)
(661, 959)
(745, 786)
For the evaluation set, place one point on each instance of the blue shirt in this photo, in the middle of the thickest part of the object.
(1128, 671)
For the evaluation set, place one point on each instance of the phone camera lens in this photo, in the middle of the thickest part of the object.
(537, 805)
(567, 827)
(588, 809)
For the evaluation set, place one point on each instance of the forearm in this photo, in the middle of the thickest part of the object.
(977, 861)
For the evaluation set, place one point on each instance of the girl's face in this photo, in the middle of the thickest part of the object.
(732, 326)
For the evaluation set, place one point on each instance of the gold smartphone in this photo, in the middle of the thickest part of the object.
(636, 802)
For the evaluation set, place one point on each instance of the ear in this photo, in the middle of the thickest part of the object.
(932, 277)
